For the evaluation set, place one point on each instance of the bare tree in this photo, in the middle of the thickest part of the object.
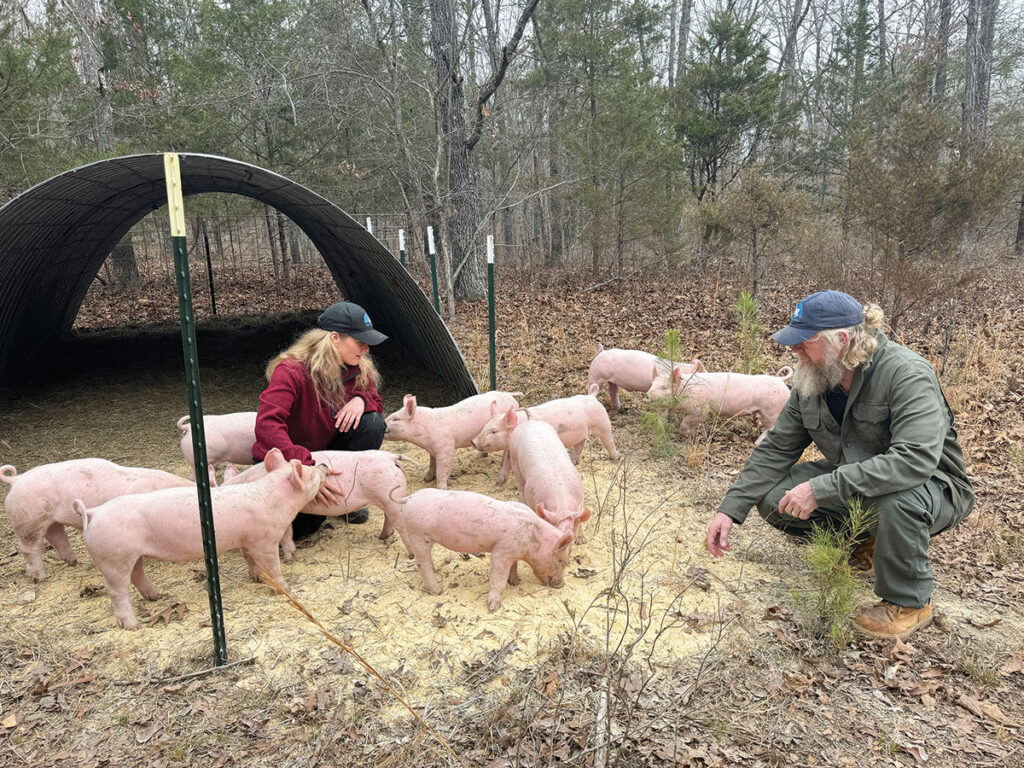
(459, 138)
(981, 23)
(942, 45)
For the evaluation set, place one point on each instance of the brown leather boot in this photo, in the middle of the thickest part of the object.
(886, 620)
(862, 558)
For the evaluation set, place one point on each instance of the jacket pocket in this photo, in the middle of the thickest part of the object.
(871, 425)
(827, 442)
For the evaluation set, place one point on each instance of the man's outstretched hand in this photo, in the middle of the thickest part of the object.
(718, 534)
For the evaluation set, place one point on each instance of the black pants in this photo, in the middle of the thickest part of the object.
(368, 436)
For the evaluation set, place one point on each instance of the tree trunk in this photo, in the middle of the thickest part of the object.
(556, 257)
(673, 32)
(461, 204)
(883, 52)
(981, 20)
(684, 36)
(1018, 243)
(282, 240)
(272, 243)
(126, 268)
(942, 52)
(94, 73)
(294, 243)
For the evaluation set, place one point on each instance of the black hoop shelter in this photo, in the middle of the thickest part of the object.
(55, 237)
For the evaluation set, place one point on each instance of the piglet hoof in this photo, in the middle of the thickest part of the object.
(152, 595)
(434, 589)
(493, 602)
(128, 623)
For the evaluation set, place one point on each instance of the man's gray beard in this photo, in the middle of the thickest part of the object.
(813, 381)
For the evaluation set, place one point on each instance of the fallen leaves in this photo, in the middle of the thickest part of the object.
(1014, 664)
(986, 710)
(176, 611)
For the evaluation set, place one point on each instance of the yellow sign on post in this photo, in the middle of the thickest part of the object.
(175, 204)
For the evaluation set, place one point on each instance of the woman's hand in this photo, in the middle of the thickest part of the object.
(330, 493)
(350, 414)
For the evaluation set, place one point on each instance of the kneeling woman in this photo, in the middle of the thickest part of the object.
(323, 395)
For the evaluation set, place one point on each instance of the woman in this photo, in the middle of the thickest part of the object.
(323, 395)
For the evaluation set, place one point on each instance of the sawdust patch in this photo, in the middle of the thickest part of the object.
(639, 577)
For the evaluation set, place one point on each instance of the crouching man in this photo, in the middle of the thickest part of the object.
(876, 412)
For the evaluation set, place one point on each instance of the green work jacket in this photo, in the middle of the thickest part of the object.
(897, 432)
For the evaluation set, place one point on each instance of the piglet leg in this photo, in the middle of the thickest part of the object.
(444, 461)
(287, 545)
(118, 585)
(32, 549)
(577, 451)
(58, 537)
(142, 582)
(501, 569)
(513, 573)
(421, 551)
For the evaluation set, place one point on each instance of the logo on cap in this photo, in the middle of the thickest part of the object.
(366, 320)
(798, 312)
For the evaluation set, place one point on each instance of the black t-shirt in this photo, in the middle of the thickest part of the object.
(836, 399)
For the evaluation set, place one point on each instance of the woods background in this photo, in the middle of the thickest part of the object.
(878, 142)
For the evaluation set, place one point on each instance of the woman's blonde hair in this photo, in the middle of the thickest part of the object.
(316, 351)
(862, 337)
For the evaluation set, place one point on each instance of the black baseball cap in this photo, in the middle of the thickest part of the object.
(821, 311)
(351, 320)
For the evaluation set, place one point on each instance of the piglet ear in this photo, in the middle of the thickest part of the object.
(543, 513)
(677, 374)
(410, 404)
(494, 408)
(274, 459)
(655, 372)
(296, 475)
(510, 418)
(584, 515)
(698, 365)
(593, 390)
(564, 542)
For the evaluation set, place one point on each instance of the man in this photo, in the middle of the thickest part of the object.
(876, 412)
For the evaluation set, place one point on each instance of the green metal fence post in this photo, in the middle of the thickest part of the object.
(433, 268)
(176, 210)
(490, 307)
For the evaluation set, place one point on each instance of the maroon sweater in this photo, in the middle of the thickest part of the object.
(293, 419)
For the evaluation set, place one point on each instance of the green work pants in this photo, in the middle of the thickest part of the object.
(906, 522)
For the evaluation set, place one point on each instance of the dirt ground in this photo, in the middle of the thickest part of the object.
(666, 655)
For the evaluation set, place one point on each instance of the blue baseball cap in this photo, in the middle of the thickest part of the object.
(351, 320)
(820, 311)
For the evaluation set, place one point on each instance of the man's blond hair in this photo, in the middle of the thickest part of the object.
(862, 342)
(315, 350)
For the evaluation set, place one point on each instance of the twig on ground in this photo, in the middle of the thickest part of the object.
(189, 676)
(355, 654)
